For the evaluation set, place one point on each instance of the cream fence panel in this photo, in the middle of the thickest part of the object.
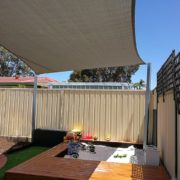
(15, 112)
(166, 131)
(116, 114)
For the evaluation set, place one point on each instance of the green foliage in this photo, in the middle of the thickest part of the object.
(111, 74)
(139, 85)
(10, 65)
(21, 86)
(15, 158)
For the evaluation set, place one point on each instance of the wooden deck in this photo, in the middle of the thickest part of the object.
(47, 166)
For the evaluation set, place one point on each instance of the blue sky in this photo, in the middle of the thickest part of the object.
(157, 34)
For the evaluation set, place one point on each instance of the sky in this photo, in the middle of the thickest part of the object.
(157, 29)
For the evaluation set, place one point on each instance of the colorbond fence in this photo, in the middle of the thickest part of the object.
(168, 91)
(166, 131)
(15, 112)
(104, 113)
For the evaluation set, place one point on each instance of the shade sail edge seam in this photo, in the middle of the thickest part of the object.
(133, 11)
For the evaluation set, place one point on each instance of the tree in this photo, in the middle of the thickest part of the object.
(10, 65)
(139, 85)
(110, 74)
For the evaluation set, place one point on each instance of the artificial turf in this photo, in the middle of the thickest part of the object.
(17, 157)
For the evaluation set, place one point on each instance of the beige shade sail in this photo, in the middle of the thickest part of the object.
(59, 35)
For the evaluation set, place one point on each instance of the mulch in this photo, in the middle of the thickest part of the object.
(5, 145)
(8, 145)
(3, 160)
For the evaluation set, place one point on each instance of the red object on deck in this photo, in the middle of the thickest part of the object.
(86, 138)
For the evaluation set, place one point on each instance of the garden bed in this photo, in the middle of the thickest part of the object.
(130, 154)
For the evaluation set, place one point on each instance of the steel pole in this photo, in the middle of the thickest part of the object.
(34, 106)
(147, 102)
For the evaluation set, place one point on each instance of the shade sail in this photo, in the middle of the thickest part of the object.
(59, 35)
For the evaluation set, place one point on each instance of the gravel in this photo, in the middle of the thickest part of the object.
(111, 154)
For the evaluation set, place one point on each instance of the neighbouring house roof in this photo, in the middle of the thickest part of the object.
(59, 35)
(42, 81)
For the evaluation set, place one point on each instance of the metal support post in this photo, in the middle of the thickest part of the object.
(34, 105)
(147, 102)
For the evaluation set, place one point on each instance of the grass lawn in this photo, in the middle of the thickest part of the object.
(20, 156)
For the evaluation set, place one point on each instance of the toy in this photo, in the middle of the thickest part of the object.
(70, 136)
(95, 138)
(120, 156)
(73, 149)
